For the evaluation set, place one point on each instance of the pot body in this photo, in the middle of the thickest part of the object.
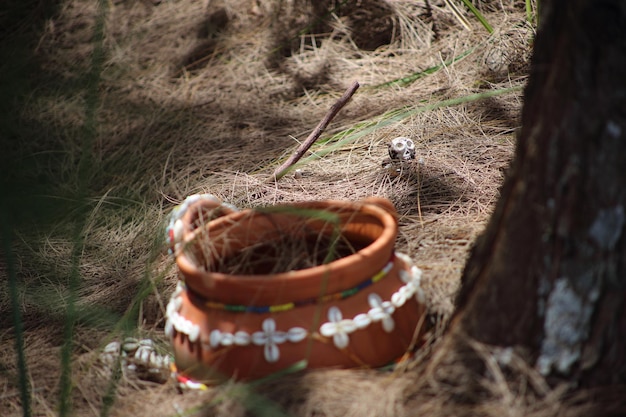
(359, 310)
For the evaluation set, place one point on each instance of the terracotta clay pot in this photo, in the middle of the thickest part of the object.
(360, 309)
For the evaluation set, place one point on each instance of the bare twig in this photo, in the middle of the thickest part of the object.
(295, 157)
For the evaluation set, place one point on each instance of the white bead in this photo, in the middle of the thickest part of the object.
(194, 332)
(241, 338)
(271, 352)
(269, 325)
(170, 309)
(178, 230)
(411, 288)
(361, 321)
(130, 345)
(417, 274)
(155, 360)
(296, 334)
(174, 320)
(398, 298)
(193, 385)
(259, 338)
(143, 354)
(169, 328)
(334, 314)
(113, 347)
(227, 339)
(215, 338)
(182, 324)
(404, 276)
(347, 326)
(179, 289)
(146, 342)
(328, 329)
(376, 314)
(278, 337)
(341, 340)
(388, 324)
(388, 308)
(178, 303)
(405, 258)
(421, 298)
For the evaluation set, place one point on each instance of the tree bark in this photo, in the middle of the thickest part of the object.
(549, 272)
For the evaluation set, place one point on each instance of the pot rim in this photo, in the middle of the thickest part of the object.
(375, 255)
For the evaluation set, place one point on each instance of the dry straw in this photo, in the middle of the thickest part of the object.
(207, 98)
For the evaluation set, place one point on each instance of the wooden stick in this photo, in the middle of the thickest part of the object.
(304, 146)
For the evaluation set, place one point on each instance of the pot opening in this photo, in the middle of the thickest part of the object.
(204, 213)
(271, 243)
(287, 253)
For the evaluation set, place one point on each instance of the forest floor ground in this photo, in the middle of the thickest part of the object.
(138, 104)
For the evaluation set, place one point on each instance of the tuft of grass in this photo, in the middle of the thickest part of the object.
(83, 173)
(343, 138)
(458, 14)
(407, 80)
(532, 12)
(478, 15)
(25, 387)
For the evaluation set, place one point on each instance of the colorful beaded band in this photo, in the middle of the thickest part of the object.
(290, 306)
(270, 337)
(185, 382)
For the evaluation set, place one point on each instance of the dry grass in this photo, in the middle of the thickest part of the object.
(196, 98)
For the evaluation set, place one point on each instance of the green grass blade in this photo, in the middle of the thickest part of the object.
(322, 215)
(18, 326)
(257, 404)
(261, 405)
(478, 15)
(405, 81)
(292, 369)
(532, 13)
(339, 140)
(537, 14)
(109, 397)
(85, 166)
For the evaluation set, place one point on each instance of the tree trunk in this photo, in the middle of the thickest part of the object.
(549, 273)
